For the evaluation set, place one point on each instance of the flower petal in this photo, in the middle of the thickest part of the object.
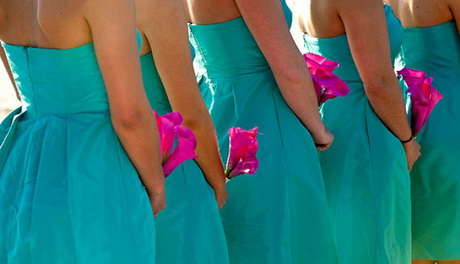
(248, 164)
(424, 97)
(174, 117)
(243, 146)
(327, 84)
(185, 149)
(166, 133)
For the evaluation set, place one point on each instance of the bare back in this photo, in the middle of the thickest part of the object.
(423, 13)
(211, 11)
(318, 18)
(44, 23)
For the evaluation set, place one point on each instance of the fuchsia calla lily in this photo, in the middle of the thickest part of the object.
(327, 84)
(423, 96)
(242, 152)
(170, 128)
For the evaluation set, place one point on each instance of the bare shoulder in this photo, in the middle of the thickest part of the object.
(145, 11)
(358, 11)
(430, 12)
(92, 8)
(2, 16)
(3, 22)
(358, 5)
(319, 18)
(62, 22)
(454, 4)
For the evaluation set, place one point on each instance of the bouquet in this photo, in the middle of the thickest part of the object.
(242, 152)
(177, 142)
(423, 97)
(327, 84)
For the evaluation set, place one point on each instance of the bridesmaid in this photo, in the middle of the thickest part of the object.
(432, 44)
(251, 74)
(190, 230)
(71, 157)
(366, 171)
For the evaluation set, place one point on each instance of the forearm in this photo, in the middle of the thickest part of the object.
(387, 101)
(139, 137)
(207, 150)
(300, 96)
(174, 64)
(266, 22)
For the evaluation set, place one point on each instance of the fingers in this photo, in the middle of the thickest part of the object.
(157, 209)
(324, 142)
(158, 203)
(409, 165)
(322, 147)
(412, 153)
(221, 204)
(221, 197)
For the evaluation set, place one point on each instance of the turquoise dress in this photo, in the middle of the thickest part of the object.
(436, 175)
(278, 215)
(365, 170)
(287, 12)
(189, 230)
(68, 191)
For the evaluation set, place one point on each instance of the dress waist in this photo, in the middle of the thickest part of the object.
(226, 49)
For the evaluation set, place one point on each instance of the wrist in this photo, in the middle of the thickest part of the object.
(220, 185)
(156, 190)
(319, 129)
(407, 140)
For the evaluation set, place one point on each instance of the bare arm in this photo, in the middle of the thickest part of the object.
(112, 24)
(367, 35)
(266, 22)
(174, 63)
(454, 6)
(8, 71)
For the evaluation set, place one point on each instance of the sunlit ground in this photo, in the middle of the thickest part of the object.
(8, 100)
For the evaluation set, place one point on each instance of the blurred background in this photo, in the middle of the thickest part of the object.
(8, 100)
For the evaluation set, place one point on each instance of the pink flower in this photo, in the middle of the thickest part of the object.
(242, 152)
(327, 84)
(423, 96)
(170, 128)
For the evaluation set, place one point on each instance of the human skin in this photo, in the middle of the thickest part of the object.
(267, 24)
(365, 26)
(425, 13)
(110, 25)
(156, 20)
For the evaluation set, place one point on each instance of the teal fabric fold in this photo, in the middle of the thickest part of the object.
(436, 176)
(279, 214)
(189, 230)
(365, 171)
(68, 191)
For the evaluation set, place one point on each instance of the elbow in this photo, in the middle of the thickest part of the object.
(128, 119)
(292, 76)
(197, 120)
(377, 85)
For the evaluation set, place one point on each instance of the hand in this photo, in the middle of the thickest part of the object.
(157, 201)
(221, 195)
(323, 140)
(412, 149)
